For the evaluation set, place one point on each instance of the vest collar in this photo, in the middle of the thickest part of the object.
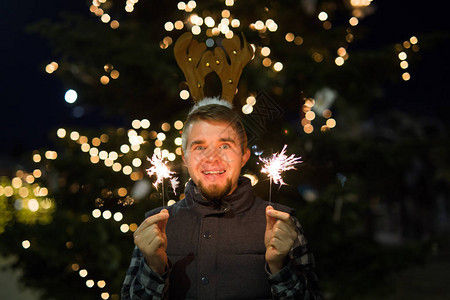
(240, 200)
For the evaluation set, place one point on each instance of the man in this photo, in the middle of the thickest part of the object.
(220, 241)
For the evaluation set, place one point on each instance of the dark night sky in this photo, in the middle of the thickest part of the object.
(32, 99)
(27, 91)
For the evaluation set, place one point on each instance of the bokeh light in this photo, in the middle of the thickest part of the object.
(70, 96)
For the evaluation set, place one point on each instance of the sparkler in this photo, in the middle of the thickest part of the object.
(277, 164)
(160, 169)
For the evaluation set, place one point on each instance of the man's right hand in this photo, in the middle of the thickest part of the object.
(151, 239)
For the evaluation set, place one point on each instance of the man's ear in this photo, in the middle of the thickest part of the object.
(245, 156)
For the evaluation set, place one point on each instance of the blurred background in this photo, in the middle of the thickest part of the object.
(357, 88)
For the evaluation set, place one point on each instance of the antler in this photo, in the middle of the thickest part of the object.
(188, 53)
(196, 63)
(229, 73)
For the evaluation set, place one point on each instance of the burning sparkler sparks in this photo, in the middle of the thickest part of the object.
(277, 164)
(160, 169)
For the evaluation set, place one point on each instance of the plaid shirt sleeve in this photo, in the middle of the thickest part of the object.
(297, 279)
(141, 282)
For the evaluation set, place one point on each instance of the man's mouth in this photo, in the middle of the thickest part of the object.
(214, 172)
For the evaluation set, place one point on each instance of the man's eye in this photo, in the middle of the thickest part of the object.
(199, 148)
(225, 146)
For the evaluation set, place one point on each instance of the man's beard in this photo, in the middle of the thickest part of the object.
(214, 193)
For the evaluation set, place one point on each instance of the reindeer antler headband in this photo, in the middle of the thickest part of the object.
(196, 63)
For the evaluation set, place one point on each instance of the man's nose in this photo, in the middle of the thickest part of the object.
(212, 154)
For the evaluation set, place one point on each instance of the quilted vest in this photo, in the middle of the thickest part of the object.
(218, 253)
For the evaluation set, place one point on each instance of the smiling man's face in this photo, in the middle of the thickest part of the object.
(214, 157)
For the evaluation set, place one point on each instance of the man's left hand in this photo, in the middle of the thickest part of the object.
(279, 238)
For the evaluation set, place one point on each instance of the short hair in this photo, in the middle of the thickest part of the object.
(215, 110)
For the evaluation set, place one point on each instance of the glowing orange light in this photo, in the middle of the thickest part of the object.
(289, 37)
(115, 74)
(179, 25)
(178, 125)
(75, 267)
(36, 158)
(37, 173)
(267, 62)
(404, 64)
(135, 176)
(104, 138)
(23, 192)
(95, 159)
(99, 12)
(308, 128)
(310, 102)
(349, 38)
(317, 57)
(326, 113)
(226, 13)
(96, 142)
(298, 40)
(331, 123)
(165, 126)
(101, 284)
(406, 76)
(341, 51)
(114, 24)
(108, 67)
(265, 51)
(327, 25)
(353, 21)
(310, 115)
(133, 227)
(122, 192)
(104, 80)
(29, 179)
